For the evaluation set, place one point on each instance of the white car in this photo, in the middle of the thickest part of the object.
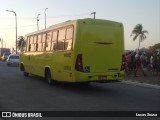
(13, 60)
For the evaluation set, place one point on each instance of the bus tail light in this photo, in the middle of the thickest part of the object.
(79, 64)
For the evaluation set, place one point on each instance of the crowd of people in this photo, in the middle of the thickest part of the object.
(137, 61)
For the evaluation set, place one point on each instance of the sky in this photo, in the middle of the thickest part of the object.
(128, 12)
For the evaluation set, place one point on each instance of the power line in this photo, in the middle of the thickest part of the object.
(48, 17)
(64, 16)
(17, 27)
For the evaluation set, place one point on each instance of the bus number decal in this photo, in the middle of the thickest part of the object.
(67, 67)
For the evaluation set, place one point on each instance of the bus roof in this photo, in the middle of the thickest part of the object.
(69, 22)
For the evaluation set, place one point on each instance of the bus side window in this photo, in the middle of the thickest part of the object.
(36, 46)
(31, 43)
(29, 47)
(39, 46)
(61, 39)
(69, 38)
(43, 42)
(35, 43)
(60, 45)
(54, 40)
(25, 39)
(28, 44)
(48, 41)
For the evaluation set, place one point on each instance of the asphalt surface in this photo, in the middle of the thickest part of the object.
(18, 93)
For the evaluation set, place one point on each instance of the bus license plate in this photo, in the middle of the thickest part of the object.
(102, 77)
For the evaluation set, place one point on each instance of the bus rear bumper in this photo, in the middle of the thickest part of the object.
(99, 77)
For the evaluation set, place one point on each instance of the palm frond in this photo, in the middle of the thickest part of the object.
(137, 29)
(135, 37)
(142, 37)
(145, 31)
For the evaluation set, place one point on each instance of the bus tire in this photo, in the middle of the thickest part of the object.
(24, 72)
(48, 77)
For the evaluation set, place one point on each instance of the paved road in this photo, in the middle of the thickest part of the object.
(18, 93)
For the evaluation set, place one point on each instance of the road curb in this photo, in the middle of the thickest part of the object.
(141, 84)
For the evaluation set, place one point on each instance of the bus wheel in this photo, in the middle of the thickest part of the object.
(24, 72)
(48, 77)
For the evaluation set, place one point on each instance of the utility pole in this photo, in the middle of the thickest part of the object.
(45, 16)
(94, 13)
(37, 22)
(16, 25)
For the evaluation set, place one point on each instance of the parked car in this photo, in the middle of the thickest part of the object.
(5, 56)
(13, 60)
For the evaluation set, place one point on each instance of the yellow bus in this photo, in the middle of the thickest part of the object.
(83, 50)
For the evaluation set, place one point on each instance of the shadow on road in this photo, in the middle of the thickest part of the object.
(85, 88)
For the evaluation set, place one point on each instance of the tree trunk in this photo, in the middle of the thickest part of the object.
(139, 44)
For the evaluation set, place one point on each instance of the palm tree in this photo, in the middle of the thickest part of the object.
(21, 43)
(139, 32)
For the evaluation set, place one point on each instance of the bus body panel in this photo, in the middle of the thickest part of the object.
(60, 66)
(101, 45)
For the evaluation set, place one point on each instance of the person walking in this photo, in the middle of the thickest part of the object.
(138, 65)
(133, 61)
